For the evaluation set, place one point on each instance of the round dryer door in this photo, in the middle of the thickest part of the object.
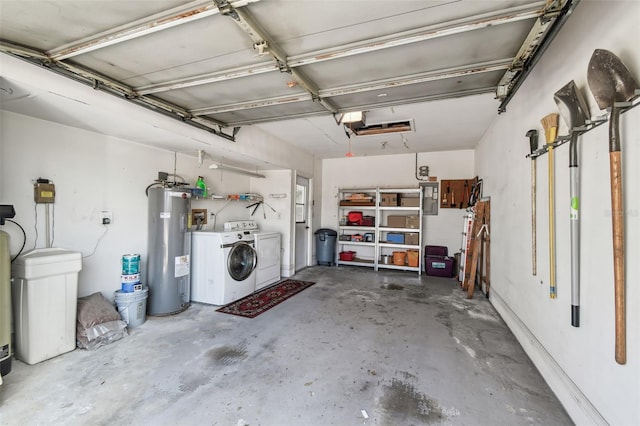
(242, 261)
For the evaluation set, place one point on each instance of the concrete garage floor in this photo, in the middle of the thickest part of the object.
(405, 350)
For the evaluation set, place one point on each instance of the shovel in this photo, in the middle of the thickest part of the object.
(610, 82)
(533, 145)
(575, 113)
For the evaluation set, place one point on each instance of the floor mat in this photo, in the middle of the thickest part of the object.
(261, 301)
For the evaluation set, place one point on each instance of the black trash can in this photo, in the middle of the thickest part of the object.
(326, 246)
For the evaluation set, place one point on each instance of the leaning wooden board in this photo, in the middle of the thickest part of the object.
(476, 241)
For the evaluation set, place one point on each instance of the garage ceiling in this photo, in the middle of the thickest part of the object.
(293, 67)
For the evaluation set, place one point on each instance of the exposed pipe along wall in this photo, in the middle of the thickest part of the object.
(577, 362)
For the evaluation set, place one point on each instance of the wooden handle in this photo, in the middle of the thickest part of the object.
(552, 229)
(617, 219)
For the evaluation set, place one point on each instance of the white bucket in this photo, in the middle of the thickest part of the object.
(132, 306)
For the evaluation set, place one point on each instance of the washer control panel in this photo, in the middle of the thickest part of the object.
(240, 225)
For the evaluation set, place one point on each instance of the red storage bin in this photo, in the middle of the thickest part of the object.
(347, 255)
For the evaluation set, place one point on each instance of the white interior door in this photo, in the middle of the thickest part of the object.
(301, 216)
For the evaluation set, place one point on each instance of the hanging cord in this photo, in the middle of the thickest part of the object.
(35, 226)
(24, 238)
(106, 229)
(53, 224)
(215, 215)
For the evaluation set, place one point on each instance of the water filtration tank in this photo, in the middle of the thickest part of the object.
(168, 262)
(5, 305)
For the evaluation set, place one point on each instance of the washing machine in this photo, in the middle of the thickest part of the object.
(268, 246)
(223, 267)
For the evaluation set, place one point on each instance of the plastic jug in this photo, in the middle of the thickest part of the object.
(203, 186)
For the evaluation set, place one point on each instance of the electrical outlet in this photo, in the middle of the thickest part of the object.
(106, 217)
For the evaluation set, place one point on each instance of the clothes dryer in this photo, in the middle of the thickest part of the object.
(268, 246)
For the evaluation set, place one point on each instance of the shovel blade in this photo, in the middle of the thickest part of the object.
(609, 79)
(572, 106)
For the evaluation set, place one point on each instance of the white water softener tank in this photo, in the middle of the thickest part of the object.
(45, 297)
(168, 262)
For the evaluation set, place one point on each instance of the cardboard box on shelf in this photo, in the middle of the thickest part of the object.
(389, 200)
(412, 238)
(407, 201)
(396, 221)
(413, 221)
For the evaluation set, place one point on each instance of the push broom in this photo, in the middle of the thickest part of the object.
(550, 125)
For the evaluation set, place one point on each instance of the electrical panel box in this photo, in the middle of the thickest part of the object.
(430, 200)
(44, 193)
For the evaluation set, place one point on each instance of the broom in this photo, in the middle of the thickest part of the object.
(550, 125)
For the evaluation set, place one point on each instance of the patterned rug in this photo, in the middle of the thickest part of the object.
(261, 301)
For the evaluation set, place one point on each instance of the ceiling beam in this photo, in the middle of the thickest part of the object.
(160, 21)
(458, 26)
(437, 97)
(279, 100)
(209, 78)
(282, 117)
(113, 87)
(264, 44)
(443, 74)
(419, 99)
(538, 40)
(530, 11)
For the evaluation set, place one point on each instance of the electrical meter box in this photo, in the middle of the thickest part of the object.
(44, 193)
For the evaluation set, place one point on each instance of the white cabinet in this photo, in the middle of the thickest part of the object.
(384, 230)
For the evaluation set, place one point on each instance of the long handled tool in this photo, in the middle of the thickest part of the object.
(575, 113)
(533, 145)
(610, 82)
(550, 125)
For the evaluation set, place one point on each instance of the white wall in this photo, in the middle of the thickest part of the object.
(277, 183)
(579, 362)
(94, 172)
(398, 171)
